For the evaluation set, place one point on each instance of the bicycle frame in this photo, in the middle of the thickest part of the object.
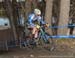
(43, 35)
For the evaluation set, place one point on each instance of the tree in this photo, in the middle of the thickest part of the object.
(9, 10)
(34, 4)
(48, 13)
(27, 11)
(64, 16)
(14, 12)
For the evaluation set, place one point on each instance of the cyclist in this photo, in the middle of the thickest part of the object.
(33, 19)
(71, 22)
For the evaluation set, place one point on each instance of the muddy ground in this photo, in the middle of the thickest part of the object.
(64, 49)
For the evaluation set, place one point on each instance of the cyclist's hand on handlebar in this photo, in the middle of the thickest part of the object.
(46, 25)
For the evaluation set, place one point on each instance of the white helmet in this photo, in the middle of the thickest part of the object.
(37, 11)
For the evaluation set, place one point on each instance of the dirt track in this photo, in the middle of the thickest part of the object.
(59, 52)
(64, 49)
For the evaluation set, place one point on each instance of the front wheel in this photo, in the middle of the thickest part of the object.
(51, 45)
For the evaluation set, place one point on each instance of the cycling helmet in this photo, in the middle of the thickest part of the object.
(37, 11)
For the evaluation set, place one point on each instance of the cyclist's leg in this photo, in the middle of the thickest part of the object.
(36, 36)
(31, 40)
(28, 37)
(71, 30)
(35, 33)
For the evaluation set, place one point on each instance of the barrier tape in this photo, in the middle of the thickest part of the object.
(62, 26)
(63, 36)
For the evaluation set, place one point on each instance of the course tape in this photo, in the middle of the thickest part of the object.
(63, 36)
(62, 26)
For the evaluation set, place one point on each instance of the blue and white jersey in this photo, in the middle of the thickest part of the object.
(32, 17)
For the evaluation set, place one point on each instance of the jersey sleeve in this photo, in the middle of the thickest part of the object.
(30, 19)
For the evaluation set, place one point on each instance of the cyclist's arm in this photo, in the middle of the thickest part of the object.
(30, 21)
(44, 23)
(40, 19)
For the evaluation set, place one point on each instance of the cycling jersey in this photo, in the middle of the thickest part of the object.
(32, 18)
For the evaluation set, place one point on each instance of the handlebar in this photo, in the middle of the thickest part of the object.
(38, 26)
